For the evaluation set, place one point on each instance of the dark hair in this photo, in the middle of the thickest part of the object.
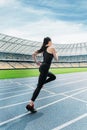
(45, 42)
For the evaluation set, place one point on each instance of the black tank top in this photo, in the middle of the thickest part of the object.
(47, 57)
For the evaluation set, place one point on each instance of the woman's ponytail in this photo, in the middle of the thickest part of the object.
(44, 47)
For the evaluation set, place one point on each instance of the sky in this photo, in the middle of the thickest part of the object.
(65, 21)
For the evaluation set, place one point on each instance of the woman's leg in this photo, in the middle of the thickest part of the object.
(50, 76)
(41, 81)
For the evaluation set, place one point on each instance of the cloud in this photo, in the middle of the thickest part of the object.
(62, 9)
(28, 20)
(6, 2)
(59, 31)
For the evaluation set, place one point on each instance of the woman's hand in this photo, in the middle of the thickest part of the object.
(34, 57)
(38, 63)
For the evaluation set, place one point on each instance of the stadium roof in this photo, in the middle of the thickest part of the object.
(11, 44)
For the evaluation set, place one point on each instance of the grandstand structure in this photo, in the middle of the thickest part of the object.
(16, 53)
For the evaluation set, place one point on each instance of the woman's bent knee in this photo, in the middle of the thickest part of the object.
(53, 77)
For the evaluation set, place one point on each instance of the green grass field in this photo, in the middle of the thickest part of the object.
(6, 74)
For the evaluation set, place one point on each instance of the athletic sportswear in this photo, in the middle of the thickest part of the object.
(44, 73)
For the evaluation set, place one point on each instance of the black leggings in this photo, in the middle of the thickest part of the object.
(43, 79)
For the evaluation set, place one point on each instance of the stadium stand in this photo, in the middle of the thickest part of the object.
(16, 53)
(5, 65)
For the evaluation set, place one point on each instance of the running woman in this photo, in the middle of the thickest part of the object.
(45, 76)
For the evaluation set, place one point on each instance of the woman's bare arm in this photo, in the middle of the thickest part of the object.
(55, 54)
(34, 56)
(35, 59)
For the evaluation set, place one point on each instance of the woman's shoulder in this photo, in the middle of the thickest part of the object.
(51, 48)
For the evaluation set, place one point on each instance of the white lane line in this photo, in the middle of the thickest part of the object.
(74, 78)
(17, 95)
(58, 85)
(73, 82)
(70, 77)
(25, 94)
(25, 91)
(30, 88)
(75, 98)
(15, 87)
(43, 90)
(62, 93)
(70, 122)
(24, 114)
(7, 84)
(11, 88)
(49, 91)
(55, 85)
(19, 83)
(16, 91)
(3, 107)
